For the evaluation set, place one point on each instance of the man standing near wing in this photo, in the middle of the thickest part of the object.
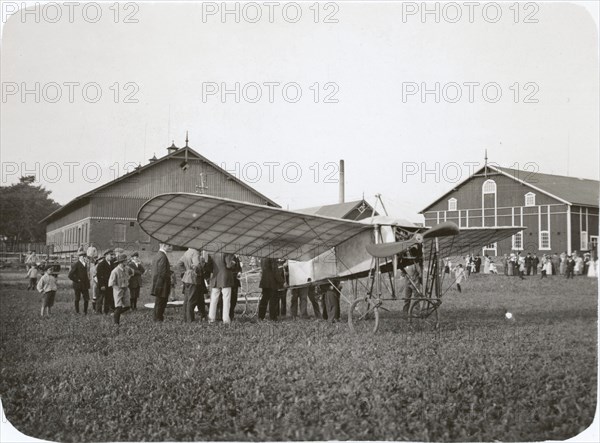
(271, 281)
(161, 281)
(222, 280)
(192, 265)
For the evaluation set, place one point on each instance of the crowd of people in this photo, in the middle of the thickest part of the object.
(112, 282)
(521, 265)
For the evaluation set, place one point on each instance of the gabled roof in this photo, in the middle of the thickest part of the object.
(569, 190)
(576, 191)
(337, 210)
(190, 151)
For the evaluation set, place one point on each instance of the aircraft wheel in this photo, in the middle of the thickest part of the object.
(425, 309)
(363, 316)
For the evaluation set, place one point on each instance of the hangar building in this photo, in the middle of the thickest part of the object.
(106, 216)
(560, 213)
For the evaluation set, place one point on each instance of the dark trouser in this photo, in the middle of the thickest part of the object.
(543, 273)
(458, 287)
(282, 305)
(105, 299)
(333, 306)
(190, 301)
(86, 298)
(299, 295)
(118, 311)
(528, 270)
(315, 304)
(570, 273)
(270, 297)
(534, 270)
(134, 293)
(32, 283)
(324, 307)
(232, 303)
(200, 302)
(160, 303)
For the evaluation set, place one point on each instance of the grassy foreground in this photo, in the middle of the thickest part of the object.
(478, 377)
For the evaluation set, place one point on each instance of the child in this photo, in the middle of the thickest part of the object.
(32, 274)
(459, 274)
(47, 287)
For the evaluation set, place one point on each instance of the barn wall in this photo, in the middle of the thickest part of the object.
(547, 214)
(73, 216)
(509, 193)
(102, 234)
(168, 176)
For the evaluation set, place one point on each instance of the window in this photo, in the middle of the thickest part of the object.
(489, 187)
(517, 241)
(119, 232)
(490, 249)
(544, 240)
(584, 241)
(452, 204)
(530, 199)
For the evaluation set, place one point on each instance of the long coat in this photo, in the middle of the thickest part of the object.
(103, 270)
(161, 276)
(222, 270)
(272, 275)
(79, 276)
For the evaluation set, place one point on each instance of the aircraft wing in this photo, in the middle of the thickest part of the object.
(222, 225)
(471, 240)
(452, 241)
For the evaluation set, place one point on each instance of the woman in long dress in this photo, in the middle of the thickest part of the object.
(563, 263)
(593, 269)
(548, 266)
(486, 264)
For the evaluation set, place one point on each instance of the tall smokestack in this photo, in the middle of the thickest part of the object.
(342, 174)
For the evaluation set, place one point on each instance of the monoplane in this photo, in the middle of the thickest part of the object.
(320, 249)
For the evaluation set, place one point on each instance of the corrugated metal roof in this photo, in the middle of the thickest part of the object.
(337, 210)
(190, 151)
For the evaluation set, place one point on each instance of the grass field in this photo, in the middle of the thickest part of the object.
(478, 377)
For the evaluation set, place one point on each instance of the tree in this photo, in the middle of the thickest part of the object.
(22, 206)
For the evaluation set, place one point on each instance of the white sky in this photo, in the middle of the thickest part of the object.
(372, 53)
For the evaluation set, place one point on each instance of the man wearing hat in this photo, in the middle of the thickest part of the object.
(81, 282)
(103, 270)
(119, 281)
(135, 281)
(161, 281)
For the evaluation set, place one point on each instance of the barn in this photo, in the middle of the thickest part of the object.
(106, 216)
(560, 213)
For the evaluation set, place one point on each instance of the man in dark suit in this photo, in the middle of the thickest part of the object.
(103, 270)
(237, 284)
(161, 281)
(135, 282)
(81, 282)
(271, 281)
(222, 280)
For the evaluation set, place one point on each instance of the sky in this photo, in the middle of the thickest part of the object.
(410, 95)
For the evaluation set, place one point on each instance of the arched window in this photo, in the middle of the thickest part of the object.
(452, 204)
(489, 187)
(530, 199)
